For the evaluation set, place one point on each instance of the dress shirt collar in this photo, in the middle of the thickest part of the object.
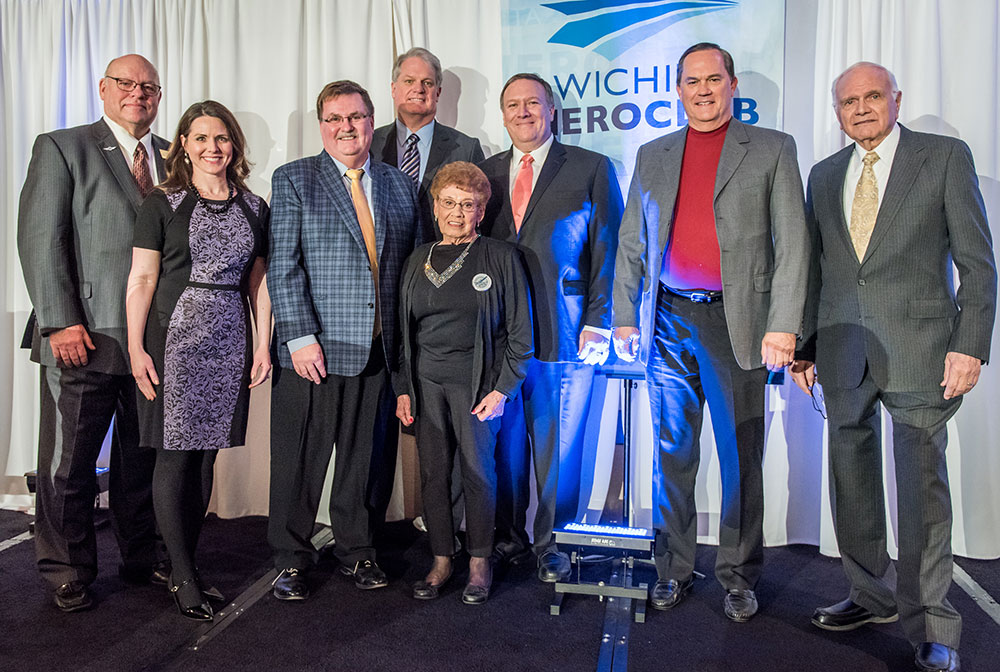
(424, 136)
(539, 154)
(127, 142)
(342, 169)
(886, 149)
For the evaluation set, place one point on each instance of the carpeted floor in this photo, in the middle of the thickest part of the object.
(341, 628)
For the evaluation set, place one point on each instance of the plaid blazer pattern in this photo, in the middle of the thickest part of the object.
(318, 273)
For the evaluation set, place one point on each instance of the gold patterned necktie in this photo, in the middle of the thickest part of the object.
(865, 207)
(364, 214)
(140, 170)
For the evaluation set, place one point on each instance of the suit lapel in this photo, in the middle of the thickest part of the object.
(160, 148)
(108, 147)
(501, 178)
(670, 177)
(334, 185)
(833, 184)
(906, 164)
(553, 162)
(389, 152)
(733, 152)
(379, 206)
(441, 146)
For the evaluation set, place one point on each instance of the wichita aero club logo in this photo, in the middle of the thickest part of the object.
(615, 26)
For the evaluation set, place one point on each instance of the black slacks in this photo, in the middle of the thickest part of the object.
(307, 420)
(692, 362)
(77, 407)
(446, 426)
(919, 586)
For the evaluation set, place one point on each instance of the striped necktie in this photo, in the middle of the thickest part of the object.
(411, 159)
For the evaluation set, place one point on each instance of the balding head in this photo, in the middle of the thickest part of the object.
(135, 109)
(866, 100)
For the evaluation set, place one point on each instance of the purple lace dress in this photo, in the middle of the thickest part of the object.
(198, 330)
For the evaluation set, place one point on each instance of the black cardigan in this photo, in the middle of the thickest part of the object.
(503, 343)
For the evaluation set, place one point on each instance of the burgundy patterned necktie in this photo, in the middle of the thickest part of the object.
(140, 170)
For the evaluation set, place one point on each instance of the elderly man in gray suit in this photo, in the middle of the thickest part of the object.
(341, 227)
(888, 215)
(713, 254)
(74, 236)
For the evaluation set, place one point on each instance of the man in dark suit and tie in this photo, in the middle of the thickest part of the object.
(888, 215)
(712, 266)
(341, 227)
(561, 206)
(415, 142)
(74, 236)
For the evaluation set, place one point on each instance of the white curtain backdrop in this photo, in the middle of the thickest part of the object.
(268, 60)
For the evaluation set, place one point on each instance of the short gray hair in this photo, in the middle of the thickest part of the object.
(863, 64)
(425, 56)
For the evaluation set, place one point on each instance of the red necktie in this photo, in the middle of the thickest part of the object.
(521, 194)
(140, 169)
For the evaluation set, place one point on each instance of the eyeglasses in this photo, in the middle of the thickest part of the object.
(468, 207)
(124, 84)
(354, 118)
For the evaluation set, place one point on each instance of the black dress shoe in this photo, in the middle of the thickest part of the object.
(189, 600)
(553, 566)
(847, 615)
(511, 553)
(475, 594)
(290, 584)
(740, 605)
(160, 574)
(934, 657)
(668, 594)
(366, 575)
(73, 596)
(425, 590)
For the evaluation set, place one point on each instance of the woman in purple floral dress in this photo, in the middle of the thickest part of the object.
(198, 263)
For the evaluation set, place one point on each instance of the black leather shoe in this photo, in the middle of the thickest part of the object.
(160, 576)
(73, 596)
(366, 575)
(290, 585)
(740, 605)
(847, 615)
(425, 590)
(553, 566)
(668, 594)
(475, 594)
(189, 600)
(141, 575)
(511, 553)
(934, 657)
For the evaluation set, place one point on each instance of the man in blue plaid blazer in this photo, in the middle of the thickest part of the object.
(339, 237)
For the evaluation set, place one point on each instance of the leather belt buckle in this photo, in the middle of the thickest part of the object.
(701, 297)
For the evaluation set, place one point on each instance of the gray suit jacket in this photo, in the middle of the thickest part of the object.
(74, 238)
(897, 310)
(760, 224)
(447, 145)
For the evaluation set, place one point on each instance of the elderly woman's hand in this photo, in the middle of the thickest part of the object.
(403, 409)
(491, 406)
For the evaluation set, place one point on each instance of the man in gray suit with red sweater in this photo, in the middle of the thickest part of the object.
(74, 237)
(712, 265)
(888, 215)
(341, 227)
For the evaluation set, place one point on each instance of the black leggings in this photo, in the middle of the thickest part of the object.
(182, 486)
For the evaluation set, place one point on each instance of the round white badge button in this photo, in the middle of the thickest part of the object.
(482, 282)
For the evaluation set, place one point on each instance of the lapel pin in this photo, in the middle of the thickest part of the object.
(163, 153)
(110, 149)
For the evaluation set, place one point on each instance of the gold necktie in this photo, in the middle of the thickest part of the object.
(865, 207)
(368, 233)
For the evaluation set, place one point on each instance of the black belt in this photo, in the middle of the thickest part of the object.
(695, 295)
(206, 285)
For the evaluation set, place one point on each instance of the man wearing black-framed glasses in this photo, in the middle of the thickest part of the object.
(77, 209)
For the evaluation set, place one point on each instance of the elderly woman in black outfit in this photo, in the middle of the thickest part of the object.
(467, 340)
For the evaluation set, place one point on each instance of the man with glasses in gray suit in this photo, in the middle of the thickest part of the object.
(888, 215)
(712, 253)
(74, 236)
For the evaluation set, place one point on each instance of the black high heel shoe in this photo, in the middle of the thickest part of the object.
(198, 612)
(211, 593)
